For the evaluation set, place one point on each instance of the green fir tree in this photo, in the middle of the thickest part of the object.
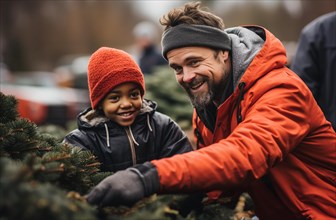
(161, 86)
(42, 178)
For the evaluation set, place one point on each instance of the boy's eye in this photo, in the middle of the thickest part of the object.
(135, 94)
(114, 98)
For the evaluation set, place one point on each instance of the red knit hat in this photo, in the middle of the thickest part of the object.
(109, 67)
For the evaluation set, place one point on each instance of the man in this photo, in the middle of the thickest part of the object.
(258, 126)
(315, 62)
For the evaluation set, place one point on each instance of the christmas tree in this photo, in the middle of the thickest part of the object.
(161, 86)
(42, 178)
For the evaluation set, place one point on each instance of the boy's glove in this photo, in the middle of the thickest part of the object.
(126, 187)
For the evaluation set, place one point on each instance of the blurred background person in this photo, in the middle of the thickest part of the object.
(148, 54)
(315, 62)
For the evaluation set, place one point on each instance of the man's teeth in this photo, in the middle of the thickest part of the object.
(197, 85)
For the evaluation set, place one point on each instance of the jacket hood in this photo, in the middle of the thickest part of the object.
(255, 51)
(92, 118)
(245, 45)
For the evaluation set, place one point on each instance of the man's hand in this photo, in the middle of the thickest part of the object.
(126, 187)
(122, 188)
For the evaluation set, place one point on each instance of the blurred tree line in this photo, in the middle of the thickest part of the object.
(283, 22)
(35, 35)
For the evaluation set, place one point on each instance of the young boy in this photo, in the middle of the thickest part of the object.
(121, 127)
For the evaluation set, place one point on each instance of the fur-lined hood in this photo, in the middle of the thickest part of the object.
(93, 118)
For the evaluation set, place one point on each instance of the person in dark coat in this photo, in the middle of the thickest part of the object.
(122, 128)
(315, 62)
(150, 56)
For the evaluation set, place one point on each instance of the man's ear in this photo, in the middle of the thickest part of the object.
(225, 55)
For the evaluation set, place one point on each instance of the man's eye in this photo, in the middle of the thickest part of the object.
(194, 63)
(177, 69)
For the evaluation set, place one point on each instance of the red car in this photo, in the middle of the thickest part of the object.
(42, 101)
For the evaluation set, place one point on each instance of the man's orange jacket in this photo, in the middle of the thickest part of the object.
(270, 139)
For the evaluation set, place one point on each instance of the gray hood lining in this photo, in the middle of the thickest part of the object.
(245, 46)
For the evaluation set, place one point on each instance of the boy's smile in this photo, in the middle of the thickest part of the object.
(123, 103)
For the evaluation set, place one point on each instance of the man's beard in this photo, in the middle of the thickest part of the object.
(202, 100)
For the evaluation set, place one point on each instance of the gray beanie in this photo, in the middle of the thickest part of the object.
(186, 35)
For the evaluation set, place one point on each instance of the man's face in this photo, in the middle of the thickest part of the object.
(201, 71)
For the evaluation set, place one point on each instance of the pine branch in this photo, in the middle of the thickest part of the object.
(8, 111)
(35, 200)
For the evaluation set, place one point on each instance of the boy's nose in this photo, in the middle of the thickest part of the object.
(126, 103)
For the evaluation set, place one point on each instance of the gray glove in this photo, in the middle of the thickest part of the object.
(126, 187)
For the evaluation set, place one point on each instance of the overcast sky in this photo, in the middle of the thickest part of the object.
(154, 9)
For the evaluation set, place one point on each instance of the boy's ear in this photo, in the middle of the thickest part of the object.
(99, 107)
(100, 104)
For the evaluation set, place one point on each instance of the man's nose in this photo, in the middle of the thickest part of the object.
(188, 75)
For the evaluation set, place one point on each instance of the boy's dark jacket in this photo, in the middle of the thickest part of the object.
(153, 135)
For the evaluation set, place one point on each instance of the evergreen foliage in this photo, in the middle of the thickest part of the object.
(8, 109)
(37, 171)
(24, 198)
(161, 87)
(42, 178)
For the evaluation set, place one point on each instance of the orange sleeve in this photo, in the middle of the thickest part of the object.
(275, 122)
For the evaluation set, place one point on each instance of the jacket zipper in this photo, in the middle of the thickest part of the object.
(128, 132)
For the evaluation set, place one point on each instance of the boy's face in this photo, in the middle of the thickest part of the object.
(123, 103)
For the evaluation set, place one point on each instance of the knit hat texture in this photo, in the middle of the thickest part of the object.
(189, 35)
(108, 68)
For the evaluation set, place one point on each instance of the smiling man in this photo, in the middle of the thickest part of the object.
(202, 87)
(257, 125)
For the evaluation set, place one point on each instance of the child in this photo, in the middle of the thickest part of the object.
(122, 128)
